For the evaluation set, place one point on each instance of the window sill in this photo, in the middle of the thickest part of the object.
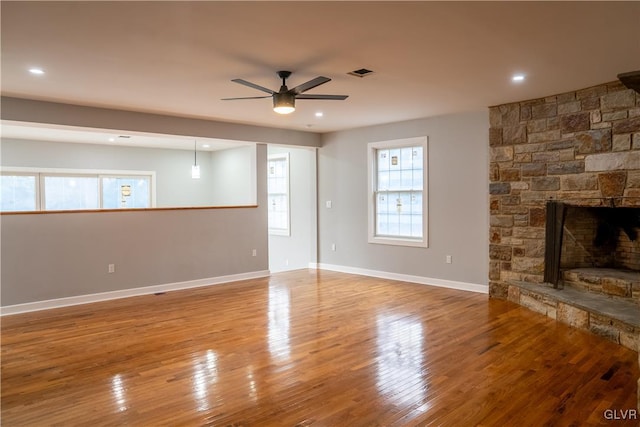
(395, 241)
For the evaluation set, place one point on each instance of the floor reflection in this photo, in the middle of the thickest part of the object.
(400, 369)
(279, 310)
(253, 390)
(117, 388)
(205, 374)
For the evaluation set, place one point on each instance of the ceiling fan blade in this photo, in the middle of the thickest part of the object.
(253, 85)
(245, 97)
(310, 85)
(330, 97)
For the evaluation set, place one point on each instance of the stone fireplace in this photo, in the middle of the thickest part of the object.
(580, 150)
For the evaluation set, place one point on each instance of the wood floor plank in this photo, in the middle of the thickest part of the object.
(309, 348)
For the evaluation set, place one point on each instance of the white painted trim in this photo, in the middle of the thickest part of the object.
(442, 283)
(125, 293)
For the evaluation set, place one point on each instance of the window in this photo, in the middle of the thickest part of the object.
(126, 192)
(278, 193)
(18, 192)
(52, 189)
(70, 192)
(397, 196)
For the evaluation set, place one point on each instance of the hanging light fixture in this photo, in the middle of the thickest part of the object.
(284, 102)
(195, 169)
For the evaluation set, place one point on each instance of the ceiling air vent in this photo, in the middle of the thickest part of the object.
(360, 73)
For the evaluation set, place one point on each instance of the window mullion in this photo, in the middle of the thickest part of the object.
(100, 190)
(43, 196)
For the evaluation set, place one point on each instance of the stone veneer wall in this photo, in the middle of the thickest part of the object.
(579, 147)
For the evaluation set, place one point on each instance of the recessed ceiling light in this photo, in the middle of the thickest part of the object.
(111, 139)
(206, 146)
(38, 71)
(517, 78)
(319, 114)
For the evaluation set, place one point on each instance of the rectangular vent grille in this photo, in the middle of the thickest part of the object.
(360, 73)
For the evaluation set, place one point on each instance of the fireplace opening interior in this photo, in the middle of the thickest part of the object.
(601, 237)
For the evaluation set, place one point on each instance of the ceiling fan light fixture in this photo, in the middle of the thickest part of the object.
(284, 103)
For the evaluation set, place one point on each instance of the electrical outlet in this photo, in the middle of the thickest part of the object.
(448, 259)
(111, 268)
(254, 252)
(333, 246)
(328, 204)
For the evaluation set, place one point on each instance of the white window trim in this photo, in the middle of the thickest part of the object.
(279, 231)
(372, 188)
(40, 173)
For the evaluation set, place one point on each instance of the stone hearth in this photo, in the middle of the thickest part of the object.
(582, 303)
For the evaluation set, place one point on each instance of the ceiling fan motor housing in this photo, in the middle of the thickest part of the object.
(284, 99)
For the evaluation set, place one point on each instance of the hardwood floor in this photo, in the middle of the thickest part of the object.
(309, 348)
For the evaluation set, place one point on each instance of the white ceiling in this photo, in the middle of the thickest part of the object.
(428, 58)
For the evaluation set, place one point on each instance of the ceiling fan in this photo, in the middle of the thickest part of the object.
(284, 100)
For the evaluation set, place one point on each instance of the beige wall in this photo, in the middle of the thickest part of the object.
(457, 192)
(32, 111)
(58, 255)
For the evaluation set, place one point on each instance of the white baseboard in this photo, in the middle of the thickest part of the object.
(463, 286)
(125, 293)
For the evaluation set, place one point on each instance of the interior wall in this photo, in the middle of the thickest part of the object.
(233, 176)
(54, 113)
(58, 255)
(457, 191)
(174, 185)
(297, 250)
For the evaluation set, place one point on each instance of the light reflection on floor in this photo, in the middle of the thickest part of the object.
(400, 375)
(279, 312)
(118, 391)
(204, 376)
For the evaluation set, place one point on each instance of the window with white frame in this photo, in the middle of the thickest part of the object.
(125, 191)
(19, 192)
(278, 194)
(66, 192)
(397, 192)
(50, 189)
